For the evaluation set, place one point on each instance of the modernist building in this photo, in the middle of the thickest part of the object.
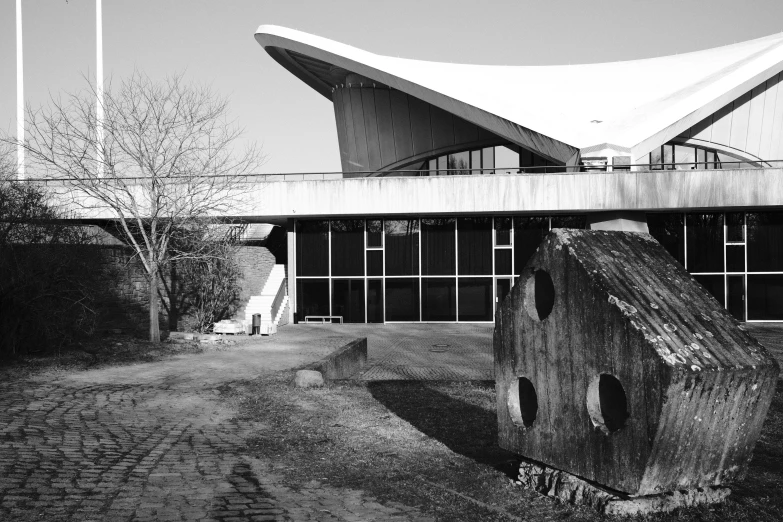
(464, 168)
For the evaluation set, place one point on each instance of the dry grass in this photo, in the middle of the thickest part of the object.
(109, 351)
(433, 445)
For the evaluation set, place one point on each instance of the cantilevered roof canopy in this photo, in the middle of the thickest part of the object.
(633, 105)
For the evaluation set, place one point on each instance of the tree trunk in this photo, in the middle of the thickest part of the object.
(154, 324)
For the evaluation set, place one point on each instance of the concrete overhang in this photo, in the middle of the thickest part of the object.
(554, 110)
(265, 200)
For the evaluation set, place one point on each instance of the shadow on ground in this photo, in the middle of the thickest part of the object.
(765, 472)
(465, 427)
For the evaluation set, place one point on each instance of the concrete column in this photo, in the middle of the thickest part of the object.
(291, 269)
(626, 221)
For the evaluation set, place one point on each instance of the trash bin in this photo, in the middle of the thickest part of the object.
(256, 324)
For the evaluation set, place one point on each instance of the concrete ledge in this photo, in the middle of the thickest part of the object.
(343, 362)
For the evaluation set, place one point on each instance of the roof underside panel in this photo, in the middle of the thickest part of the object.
(750, 126)
(555, 110)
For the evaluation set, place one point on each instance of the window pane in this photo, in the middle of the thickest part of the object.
(569, 222)
(442, 165)
(734, 229)
(705, 242)
(714, 285)
(348, 299)
(765, 241)
(655, 159)
(348, 247)
(735, 302)
(475, 161)
(438, 252)
(735, 258)
(505, 158)
(669, 230)
(402, 299)
(729, 162)
(503, 261)
(765, 297)
(488, 158)
(402, 246)
(684, 156)
(528, 233)
(374, 300)
(701, 158)
(711, 159)
(374, 233)
(312, 248)
(459, 163)
(438, 299)
(668, 157)
(433, 166)
(375, 262)
(475, 299)
(503, 231)
(475, 245)
(312, 297)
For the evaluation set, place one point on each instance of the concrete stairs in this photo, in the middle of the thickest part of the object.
(262, 304)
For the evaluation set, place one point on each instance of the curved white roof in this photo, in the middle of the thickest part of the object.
(634, 105)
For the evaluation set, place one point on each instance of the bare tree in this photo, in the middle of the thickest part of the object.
(166, 163)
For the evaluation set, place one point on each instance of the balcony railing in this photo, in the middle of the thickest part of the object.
(551, 169)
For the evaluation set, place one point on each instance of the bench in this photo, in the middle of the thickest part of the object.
(323, 319)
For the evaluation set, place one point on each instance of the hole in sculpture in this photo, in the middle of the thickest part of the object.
(607, 403)
(539, 295)
(523, 402)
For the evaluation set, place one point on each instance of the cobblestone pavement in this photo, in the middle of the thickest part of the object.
(152, 442)
(419, 352)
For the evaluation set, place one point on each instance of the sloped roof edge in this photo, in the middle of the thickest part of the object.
(556, 110)
(274, 38)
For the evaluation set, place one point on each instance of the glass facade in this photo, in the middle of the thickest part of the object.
(499, 159)
(434, 269)
(673, 156)
(736, 256)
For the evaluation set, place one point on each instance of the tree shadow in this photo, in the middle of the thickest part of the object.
(465, 428)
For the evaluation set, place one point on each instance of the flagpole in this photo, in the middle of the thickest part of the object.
(19, 94)
(100, 116)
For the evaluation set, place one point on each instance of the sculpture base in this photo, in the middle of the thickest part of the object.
(573, 490)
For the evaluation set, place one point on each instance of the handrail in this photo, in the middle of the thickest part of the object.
(278, 301)
(530, 170)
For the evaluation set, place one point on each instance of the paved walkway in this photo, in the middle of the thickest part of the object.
(152, 442)
(418, 352)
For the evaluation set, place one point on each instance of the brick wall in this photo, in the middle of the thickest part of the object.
(124, 302)
(256, 263)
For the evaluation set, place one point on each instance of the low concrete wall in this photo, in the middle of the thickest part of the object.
(344, 362)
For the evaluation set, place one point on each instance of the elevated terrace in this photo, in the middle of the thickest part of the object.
(274, 198)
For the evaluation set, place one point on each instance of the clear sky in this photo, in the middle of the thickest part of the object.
(212, 42)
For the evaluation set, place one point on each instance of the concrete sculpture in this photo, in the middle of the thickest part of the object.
(615, 366)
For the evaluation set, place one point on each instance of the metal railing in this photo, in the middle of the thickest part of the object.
(278, 301)
(548, 169)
